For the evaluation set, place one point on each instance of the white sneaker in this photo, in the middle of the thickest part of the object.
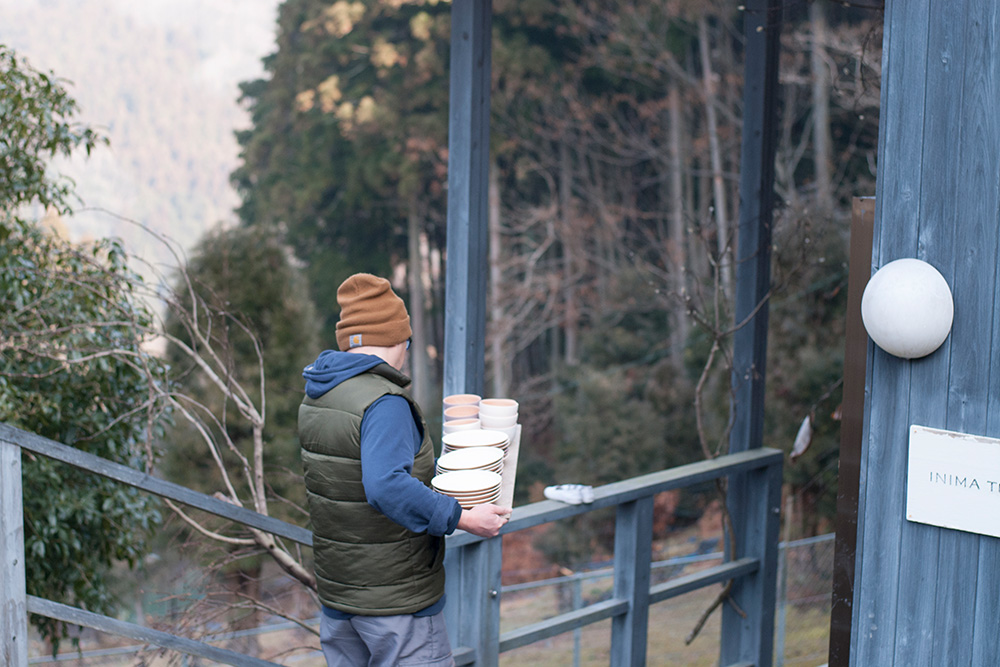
(571, 494)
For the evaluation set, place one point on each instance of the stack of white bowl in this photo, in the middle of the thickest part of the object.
(451, 442)
(461, 413)
(499, 414)
(469, 487)
(472, 458)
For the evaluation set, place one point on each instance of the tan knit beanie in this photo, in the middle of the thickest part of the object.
(370, 313)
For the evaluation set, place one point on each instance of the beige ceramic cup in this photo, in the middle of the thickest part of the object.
(460, 399)
(460, 425)
(461, 412)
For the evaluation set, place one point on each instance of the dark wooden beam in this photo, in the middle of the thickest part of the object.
(851, 432)
(468, 169)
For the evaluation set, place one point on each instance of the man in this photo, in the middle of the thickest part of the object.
(378, 527)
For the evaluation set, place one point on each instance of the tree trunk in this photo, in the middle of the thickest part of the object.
(718, 183)
(676, 236)
(569, 244)
(498, 328)
(419, 369)
(821, 105)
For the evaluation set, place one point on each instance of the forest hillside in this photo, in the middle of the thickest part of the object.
(160, 80)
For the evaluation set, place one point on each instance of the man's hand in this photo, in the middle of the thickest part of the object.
(484, 520)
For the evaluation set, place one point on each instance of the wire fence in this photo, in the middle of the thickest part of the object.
(802, 616)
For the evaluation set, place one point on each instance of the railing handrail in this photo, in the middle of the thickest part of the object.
(140, 480)
(634, 488)
(635, 493)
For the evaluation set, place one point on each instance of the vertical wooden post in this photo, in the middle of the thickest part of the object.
(633, 554)
(468, 187)
(762, 31)
(473, 608)
(13, 593)
(749, 637)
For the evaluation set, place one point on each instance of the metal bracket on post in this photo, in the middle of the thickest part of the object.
(13, 592)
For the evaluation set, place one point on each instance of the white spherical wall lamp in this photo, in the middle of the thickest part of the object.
(907, 308)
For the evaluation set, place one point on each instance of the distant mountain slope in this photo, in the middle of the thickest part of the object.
(159, 77)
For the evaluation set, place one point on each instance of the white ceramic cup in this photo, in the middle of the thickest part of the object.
(461, 425)
(498, 407)
(492, 421)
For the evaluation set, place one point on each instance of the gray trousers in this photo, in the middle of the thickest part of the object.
(385, 641)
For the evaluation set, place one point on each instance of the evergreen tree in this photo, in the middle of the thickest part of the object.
(73, 366)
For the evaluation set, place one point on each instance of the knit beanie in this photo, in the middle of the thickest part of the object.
(370, 313)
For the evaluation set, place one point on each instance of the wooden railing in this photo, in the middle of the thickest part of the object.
(473, 564)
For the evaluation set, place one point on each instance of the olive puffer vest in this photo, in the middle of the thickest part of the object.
(365, 562)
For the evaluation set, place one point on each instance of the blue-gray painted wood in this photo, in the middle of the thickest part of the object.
(566, 622)
(87, 619)
(935, 244)
(762, 33)
(468, 170)
(750, 636)
(633, 554)
(883, 469)
(924, 595)
(13, 600)
(472, 585)
(975, 262)
(713, 575)
(628, 490)
(140, 480)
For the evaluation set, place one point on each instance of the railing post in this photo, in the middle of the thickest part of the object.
(472, 611)
(13, 593)
(748, 634)
(633, 556)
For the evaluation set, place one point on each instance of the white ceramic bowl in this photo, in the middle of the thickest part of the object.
(494, 422)
(498, 407)
(480, 438)
(471, 458)
(461, 425)
(468, 483)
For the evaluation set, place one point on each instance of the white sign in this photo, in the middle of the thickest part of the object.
(953, 480)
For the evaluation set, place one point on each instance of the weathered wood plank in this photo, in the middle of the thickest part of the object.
(919, 564)
(977, 163)
(713, 575)
(88, 619)
(557, 625)
(13, 601)
(881, 502)
(132, 477)
(610, 495)
(986, 644)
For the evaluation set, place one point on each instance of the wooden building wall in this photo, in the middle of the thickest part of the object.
(926, 595)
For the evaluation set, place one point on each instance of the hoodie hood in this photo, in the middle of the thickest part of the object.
(332, 367)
